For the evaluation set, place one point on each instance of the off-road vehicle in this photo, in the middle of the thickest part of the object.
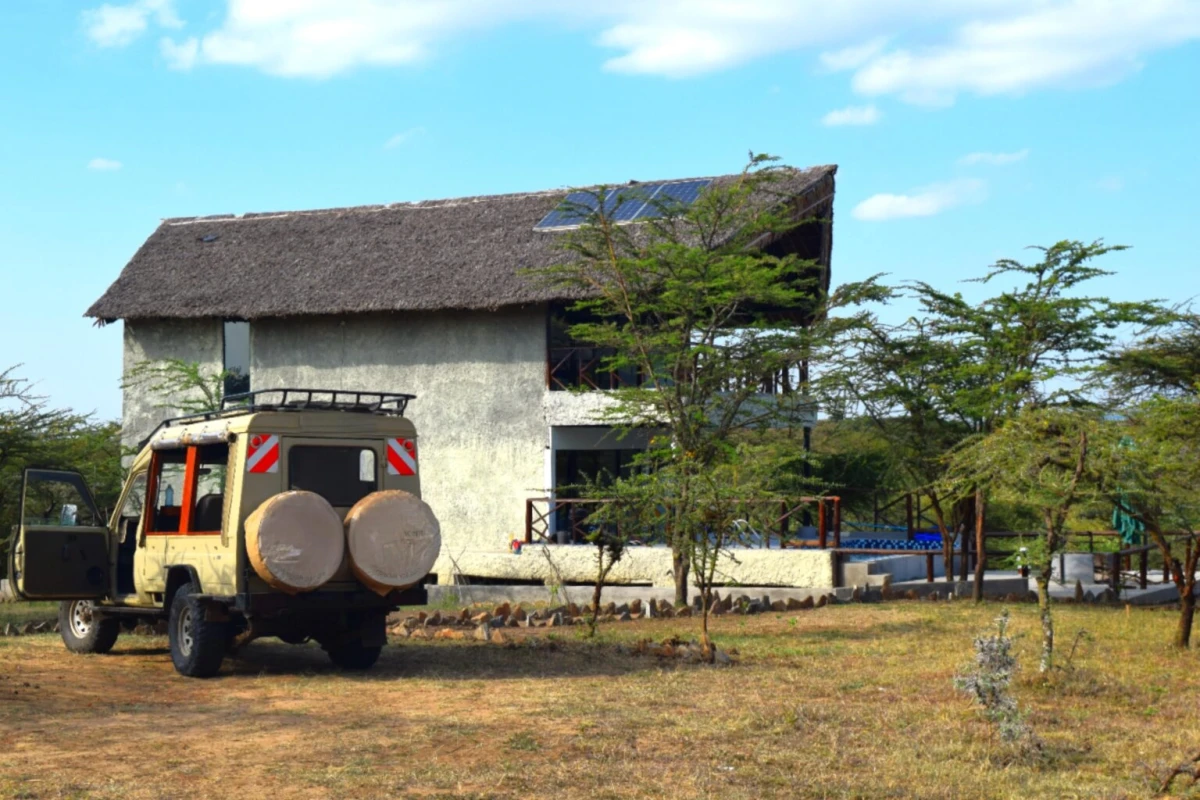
(293, 513)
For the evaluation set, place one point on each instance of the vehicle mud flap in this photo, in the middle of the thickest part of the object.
(374, 630)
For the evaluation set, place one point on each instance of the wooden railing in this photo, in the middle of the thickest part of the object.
(584, 368)
(1117, 564)
(768, 520)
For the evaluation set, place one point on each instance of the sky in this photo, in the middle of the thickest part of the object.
(964, 130)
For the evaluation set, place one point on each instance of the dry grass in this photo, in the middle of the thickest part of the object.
(847, 701)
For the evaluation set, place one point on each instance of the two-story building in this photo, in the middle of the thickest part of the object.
(431, 298)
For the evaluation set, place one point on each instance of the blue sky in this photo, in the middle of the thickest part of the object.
(963, 130)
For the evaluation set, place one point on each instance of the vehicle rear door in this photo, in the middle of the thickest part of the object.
(61, 547)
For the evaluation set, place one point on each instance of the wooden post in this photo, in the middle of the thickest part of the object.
(837, 522)
(822, 533)
(966, 555)
(908, 514)
(1114, 577)
(1142, 566)
(528, 520)
(929, 567)
(980, 561)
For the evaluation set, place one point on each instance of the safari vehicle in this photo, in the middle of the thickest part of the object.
(293, 513)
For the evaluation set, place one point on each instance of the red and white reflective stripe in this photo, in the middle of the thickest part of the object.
(401, 457)
(262, 454)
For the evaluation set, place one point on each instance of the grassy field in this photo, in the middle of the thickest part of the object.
(20, 613)
(845, 701)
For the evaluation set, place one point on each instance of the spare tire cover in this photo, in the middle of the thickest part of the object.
(393, 538)
(295, 542)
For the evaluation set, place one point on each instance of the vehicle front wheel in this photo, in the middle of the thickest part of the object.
(354, 655)
(197, 644)
(84, 630)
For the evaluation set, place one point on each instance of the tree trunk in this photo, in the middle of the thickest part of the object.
(680, 563)
(1043, 592)
(980, 548)
(1187, 613)
(705, 605)
(1185, 580)
(947, 541)
(595, 607)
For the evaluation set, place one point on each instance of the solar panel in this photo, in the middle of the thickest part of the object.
(673, 198)
(570, 212)
(625, 203)
(632, 200)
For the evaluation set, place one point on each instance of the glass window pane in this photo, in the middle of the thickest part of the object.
(335, 473)
(56, 500)
(237, 357)
(169, 493)
(211, 468)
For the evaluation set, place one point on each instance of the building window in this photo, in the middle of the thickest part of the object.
(237, 357)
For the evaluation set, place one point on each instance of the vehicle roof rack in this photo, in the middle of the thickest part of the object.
(388, 404)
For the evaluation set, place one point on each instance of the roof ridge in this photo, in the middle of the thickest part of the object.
(447, 202)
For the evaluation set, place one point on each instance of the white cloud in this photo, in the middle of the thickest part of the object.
(922, 51)
(104, 165)
(854, 56)
(117, 26)
(181, 55)
(853, 115)
(923, 202)
(402, 138)
(994, 159)
(1071, 44)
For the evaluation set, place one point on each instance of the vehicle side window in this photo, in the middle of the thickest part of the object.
(131, 512)
(56, 499)
(211, 468)
(342, 475)
(168, 490)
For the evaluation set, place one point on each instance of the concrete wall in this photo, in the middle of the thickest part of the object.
(154, 340)
(484, 419)
(478, 378)
(652, 566)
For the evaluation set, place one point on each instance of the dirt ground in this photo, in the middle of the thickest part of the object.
(846, 701)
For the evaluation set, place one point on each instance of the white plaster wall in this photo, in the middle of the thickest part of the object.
(650, 565)
(155, 340)
(483, 418)
(478, 377)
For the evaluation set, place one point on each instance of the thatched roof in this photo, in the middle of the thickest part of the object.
(466, 253)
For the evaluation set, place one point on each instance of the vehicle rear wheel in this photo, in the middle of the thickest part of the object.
(354, 655)
(84, 630)
(197, 644)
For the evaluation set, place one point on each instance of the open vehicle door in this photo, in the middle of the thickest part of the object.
(61, 547)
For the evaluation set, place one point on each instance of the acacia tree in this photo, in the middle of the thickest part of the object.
(185, 385)
(692, 303)
(1163, 361)
(1040, 457)
(1151, 464)
(33, 433)
(960, 367)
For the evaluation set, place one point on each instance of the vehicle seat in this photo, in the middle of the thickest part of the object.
(208, 513)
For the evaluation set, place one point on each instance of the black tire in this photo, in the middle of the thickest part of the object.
(197, 644)
(354, 655)
(84, 631)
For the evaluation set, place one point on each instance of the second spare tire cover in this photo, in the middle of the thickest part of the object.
(393, 538)
(295, 542)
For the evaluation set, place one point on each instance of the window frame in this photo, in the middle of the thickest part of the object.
(187, 502)
(321, 444)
